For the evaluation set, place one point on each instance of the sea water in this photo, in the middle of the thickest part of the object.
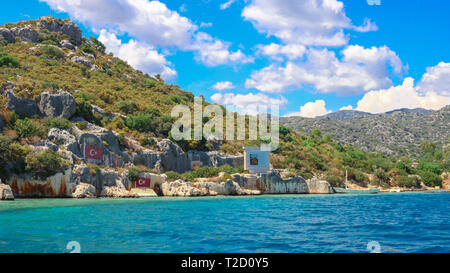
(397, 222)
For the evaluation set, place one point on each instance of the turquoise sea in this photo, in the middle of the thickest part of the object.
(399, 222)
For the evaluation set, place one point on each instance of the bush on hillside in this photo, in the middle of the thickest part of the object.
(51, 52)
(44, 164)
(27, 128)
(56, 122)
(430, 179)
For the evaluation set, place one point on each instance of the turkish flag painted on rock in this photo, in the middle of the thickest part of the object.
(143, 182)
(91, 152)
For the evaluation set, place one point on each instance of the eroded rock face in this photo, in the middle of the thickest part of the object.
(225, 188)
(27, 34)
(7, 35)
(247, 181)
(82, 60)
(173, 158)
(146, 157)
(317, 186)
(58, 185)
(445, 180)
(6, 192)
(117, 191)
(84, 190)
(181, 188)
(22, 106)
(61, 104)
(63, 137)
(215, 159)
(68, 28)
(67, 44)
(156, 180)
(273, 183)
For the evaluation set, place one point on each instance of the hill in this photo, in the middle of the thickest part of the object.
(60, 91)
(398, 132)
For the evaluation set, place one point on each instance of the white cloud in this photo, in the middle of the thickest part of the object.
(206, 24)
(402, 96)
(183, 8)
(227, 4)
(311, 110)
(139, 55)
(359, 70)
(152, 23)
(220, 86)
(249, 103)
(436, 79)
(138, 18)
(308, 22)
(348, 107)
(275, 51)
(213, 52)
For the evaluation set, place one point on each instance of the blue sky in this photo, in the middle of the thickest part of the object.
(320, 55)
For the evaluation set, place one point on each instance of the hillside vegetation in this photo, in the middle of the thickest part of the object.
(397, 133)
(111, 94)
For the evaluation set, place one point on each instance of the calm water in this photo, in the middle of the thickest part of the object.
(407, 222)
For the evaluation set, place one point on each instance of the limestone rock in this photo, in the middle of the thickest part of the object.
(6, 192)
(316, 186)
(7, 35)
(273, 183)
(63, 137)
(60, 104)
(143, 192)
(445, 180)
(214, 159)
(58, 185)
(68, 28)
(84, 190)
(173, 158)
(22, 106)
(81, 174)
(117, 191)
(82, 60)
(247, 181)
(27, 34)
(146, 157)
(181, 188)
(67, 44)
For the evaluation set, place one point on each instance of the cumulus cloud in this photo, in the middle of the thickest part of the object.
(348, 107)
(139, 55)
(249, 103)
(152, 23)
(401, 96)
(308, 22)
(276, 51)
(311, 110)
(359, 70)
(213, 52)
(226, 85)
(436, 79)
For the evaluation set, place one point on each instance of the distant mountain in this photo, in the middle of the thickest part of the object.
(345, 114)
(398, 132)
(416, 110)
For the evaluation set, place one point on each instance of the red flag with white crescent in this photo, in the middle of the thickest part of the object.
(91, 152)
(143, 182)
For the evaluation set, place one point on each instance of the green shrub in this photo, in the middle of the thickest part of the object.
(84, 110)
(45, 164)
(28, 128)
(51, 52)
(4, 151)
(172, 176)
(148, 141)
(408, 182)
(334, 180)
(97, 44)
(133, 173)
(140, 122)
(8, 61)
(431, 167)
(175, 98)
(87, 49)
(127, 107)
(430, 179)
(56, 122)
(149, 83)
